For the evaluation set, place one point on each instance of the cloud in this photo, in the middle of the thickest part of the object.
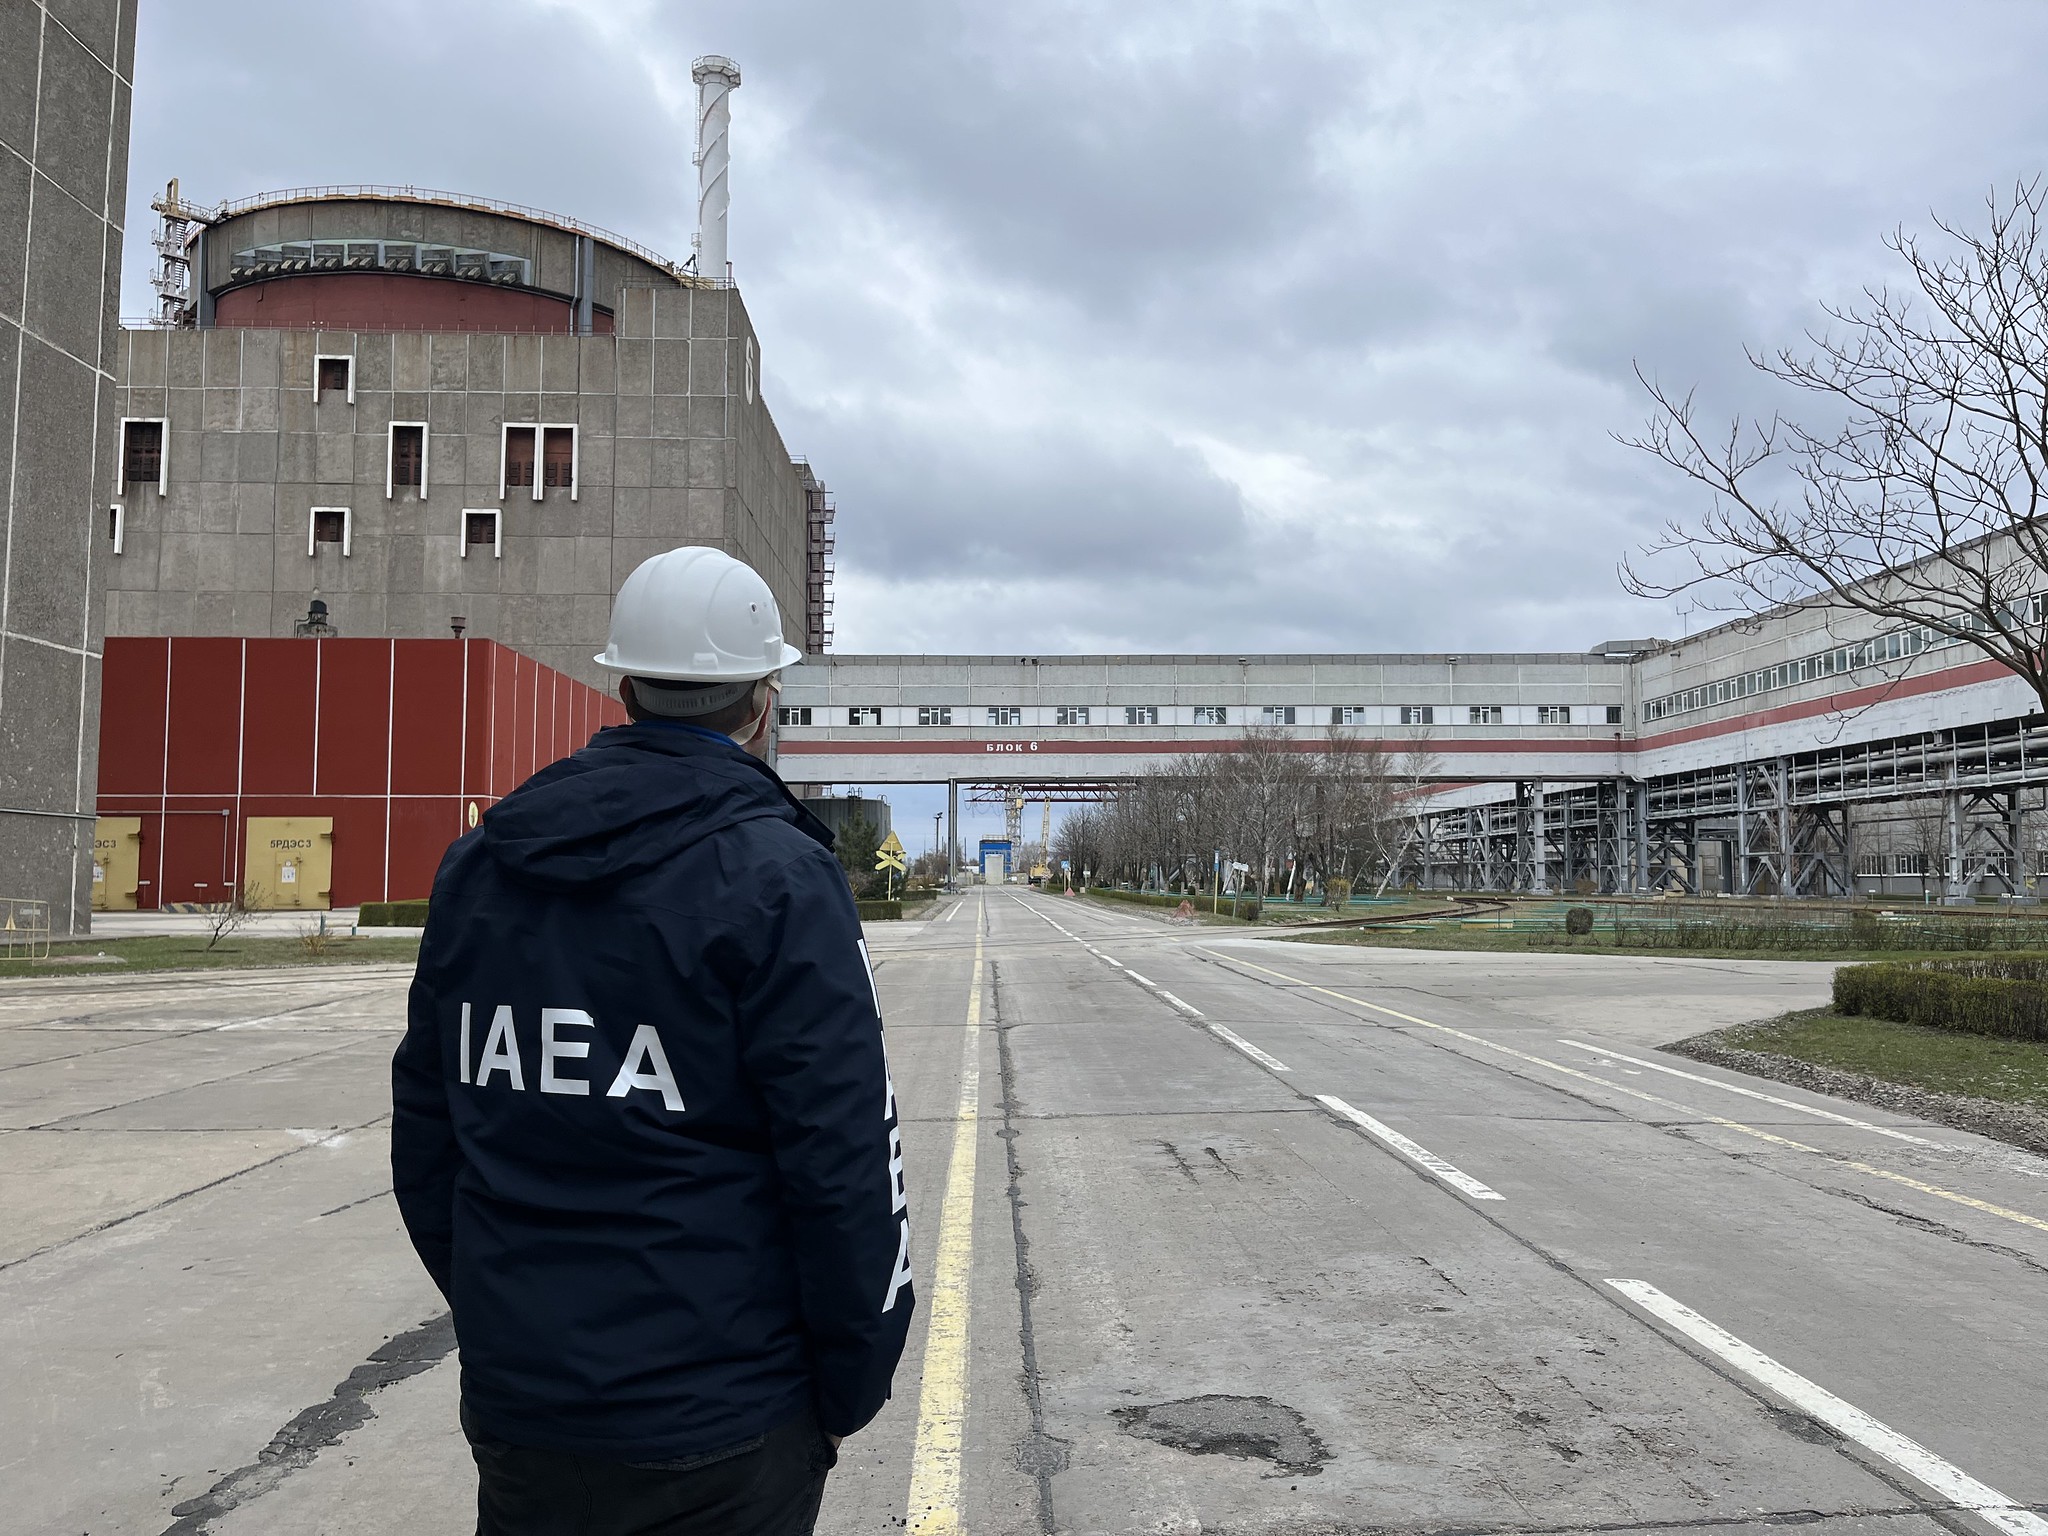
(1191, 325)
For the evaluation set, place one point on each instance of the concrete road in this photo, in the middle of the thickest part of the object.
(1214, 1234)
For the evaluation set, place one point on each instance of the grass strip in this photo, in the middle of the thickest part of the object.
(1996, 1088)
(187, 952)
(1496, 941)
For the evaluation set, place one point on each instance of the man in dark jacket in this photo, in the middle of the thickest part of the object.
(644, 1136)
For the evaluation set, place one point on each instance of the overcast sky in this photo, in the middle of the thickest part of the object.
(1182, 326)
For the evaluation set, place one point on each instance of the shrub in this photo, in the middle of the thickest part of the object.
(392, 914)
(1578, 921)
(879, 911)
(2005, 997)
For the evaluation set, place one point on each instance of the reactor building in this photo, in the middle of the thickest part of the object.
(374, 411)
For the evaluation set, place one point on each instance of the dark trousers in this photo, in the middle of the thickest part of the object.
(768, 1487)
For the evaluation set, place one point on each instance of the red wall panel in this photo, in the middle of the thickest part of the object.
(281, 679)
(132, 702)
(204, 737)
(355, 718)
(427, 719)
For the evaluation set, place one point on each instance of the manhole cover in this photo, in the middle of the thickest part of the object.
(1217, 1425)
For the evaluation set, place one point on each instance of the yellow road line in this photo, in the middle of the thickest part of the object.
(934, 1508)
(1650, 1098)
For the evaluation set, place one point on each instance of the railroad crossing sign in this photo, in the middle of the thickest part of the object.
(890, 854)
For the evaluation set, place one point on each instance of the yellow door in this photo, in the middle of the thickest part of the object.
(116, 863)
(289, 864)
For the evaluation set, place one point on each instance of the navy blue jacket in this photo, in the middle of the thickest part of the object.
(643, 1134)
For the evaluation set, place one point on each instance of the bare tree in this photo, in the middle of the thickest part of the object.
(226, 918)
(1921, 501)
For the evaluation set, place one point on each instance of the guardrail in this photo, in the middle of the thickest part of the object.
(25, 927)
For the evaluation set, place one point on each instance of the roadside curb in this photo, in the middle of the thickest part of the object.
(2014, 1124)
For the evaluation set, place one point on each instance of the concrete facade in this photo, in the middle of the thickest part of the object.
(672, 445)
(65, 74)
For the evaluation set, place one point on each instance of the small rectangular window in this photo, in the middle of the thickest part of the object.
(517, 469)
(482, 530)
(558, 459)
(1553, 714)
(335, 376)
(142, 453)
(1070, 714)
(1484, 714)
(1211, 714)
(1614, 714)
(1141, 714)
(864, 714)
(328, 525)
(1349, 714)
(793, 714)
(406, 466)
(1005, 714)
(1277, 714)
(1418, 714)
(935, 714)
(116, 526)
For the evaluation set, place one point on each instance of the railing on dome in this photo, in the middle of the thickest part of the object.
(367, 191)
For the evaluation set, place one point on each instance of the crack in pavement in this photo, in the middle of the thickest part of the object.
(310, 1431)
(1042, 1455)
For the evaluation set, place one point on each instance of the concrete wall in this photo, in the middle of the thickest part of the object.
(671, 451)
(64, 98)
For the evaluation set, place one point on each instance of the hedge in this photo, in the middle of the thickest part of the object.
(879, 911)
(2006, 997)
(1247, 906)
(392, 914)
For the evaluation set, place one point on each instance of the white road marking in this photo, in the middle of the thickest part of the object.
(1140, 980)
(1414, 1152)
(1768, 1098)
(956, 910)
(1187, 1008)
(1947, 1481)
(1248, 1048)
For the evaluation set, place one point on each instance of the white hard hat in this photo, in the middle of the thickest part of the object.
(697, 615)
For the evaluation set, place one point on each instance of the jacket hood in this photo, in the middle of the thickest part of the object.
(631, 800)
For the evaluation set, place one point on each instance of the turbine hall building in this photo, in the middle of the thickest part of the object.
(393, 413)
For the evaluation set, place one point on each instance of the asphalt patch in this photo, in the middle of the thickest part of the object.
(1249, 1428)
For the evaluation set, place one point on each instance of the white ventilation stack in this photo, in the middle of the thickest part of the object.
(716, 79)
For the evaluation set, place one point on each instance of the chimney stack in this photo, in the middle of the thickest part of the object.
(716, 78)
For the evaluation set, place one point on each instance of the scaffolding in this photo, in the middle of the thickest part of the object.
(820, 545)
(176, 222)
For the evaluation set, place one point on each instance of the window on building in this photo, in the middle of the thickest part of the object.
(1909, 863)
(1005, 714)
(328, 525)
(482, 530)
(1614, 714)
(116, 522)
(1070, 714)
(1484, 714)
(558, 459)
(142, 453)
(1553, 714)
(1418, 714)
(1276, 714)
(406, 468)
(1348, 714)
(793, 714)
(864, 714)
(753, 367)
(1211, 714)
(935, 714)
(335, 376)
(517, 469)
(1870, 864)
(1141, 714)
